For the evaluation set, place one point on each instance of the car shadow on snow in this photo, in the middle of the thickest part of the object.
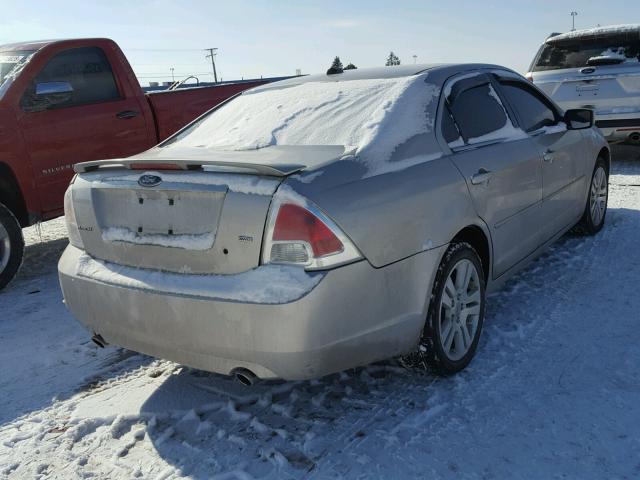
(206, 424)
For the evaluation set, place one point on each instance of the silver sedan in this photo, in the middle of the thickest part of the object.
(329, 221)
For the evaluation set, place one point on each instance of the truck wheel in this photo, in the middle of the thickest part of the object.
(456, 312)
(11, 246)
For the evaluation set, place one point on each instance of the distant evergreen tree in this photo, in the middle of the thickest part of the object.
(351, 66)
(392, 60)
(336, 67)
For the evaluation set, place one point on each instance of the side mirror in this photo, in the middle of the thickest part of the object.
(53, 88)
(578, 118)
(46, 95)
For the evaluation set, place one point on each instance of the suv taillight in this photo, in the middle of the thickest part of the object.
(299, 233)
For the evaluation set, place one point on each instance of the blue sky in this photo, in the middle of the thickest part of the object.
(273, 38)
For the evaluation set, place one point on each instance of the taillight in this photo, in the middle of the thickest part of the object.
(70, 218)
(299, 233)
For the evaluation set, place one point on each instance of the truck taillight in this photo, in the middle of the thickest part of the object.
(299, 233)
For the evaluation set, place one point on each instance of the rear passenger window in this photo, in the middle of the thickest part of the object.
(449, 129)
(532, 111)
(86, 69)
(478, 112)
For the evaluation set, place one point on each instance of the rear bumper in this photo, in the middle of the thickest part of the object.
(352, 315)
(617, 127)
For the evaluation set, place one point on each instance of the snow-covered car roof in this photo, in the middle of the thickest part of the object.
(632, 29)
(374, 73)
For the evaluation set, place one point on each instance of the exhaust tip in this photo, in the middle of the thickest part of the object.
(245, 376)
(99, 341)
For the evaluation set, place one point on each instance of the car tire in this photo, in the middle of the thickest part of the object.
(595, 209)
(11, 246)
(456, 311)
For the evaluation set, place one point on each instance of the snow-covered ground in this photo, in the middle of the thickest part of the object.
(554, 391)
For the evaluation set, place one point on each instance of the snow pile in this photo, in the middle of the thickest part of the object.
(273, 284)
(373, 115)
(201, 241)
(238, 183)
(617, 53)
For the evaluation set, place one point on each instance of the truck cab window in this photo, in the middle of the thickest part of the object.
(86, 70)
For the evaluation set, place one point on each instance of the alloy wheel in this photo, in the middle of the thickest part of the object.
(598, 196)
(460, 306)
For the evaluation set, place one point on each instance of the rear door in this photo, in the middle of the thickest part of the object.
(98, 122)
(562, 152)
(501, 165)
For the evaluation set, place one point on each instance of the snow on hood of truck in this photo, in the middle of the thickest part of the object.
(374, 116)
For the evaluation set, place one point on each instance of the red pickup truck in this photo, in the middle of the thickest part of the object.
(69, 101)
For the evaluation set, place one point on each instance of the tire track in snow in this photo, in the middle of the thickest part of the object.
(383, 421)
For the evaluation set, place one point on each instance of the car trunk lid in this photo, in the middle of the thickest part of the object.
(188, 213)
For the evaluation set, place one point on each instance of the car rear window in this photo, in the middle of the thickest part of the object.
(478, 112)
(577, 53)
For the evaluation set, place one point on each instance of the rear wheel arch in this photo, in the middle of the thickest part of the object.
(11, 195)
(606, 155)
(476, 237)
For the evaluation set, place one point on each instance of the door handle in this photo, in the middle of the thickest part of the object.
(548, 156)
(481, 177)
(127, 114)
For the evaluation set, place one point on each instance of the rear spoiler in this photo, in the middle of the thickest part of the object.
(273, 160)
(277, 170)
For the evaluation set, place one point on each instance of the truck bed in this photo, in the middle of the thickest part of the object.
(174, 108)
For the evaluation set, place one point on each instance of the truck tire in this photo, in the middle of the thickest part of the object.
(11, 246)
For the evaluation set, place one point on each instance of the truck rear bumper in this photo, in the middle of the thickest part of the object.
(353, 315)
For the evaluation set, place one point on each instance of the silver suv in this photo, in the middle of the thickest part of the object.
(597, 69)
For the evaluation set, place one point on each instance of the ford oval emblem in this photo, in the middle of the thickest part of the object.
(147, 180)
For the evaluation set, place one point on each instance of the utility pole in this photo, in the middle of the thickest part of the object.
(173, 78)
(212, 54)
(415, 58)
(573, 20)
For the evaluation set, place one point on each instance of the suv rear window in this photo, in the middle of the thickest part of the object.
(577, 53)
